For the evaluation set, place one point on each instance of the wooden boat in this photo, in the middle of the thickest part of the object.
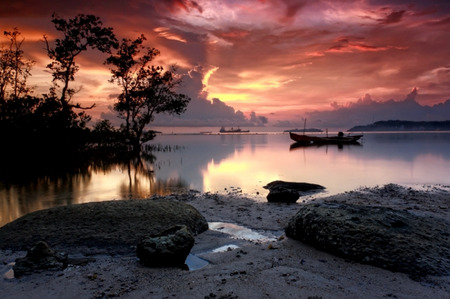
(339, 139)
(232, 130)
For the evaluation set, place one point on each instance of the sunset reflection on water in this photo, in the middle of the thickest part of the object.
(242, 163)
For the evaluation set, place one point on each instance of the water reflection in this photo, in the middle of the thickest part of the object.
(213, 163)
(296, 145)
(99, 180)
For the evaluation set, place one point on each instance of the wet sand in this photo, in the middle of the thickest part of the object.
(267, 266)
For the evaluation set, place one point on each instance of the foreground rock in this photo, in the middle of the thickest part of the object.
(114, 226)
(384, 237)
(42, 258)
(280, 191)
(39, 258)
(284, 268)
(170, 248)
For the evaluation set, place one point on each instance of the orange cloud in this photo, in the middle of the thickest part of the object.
(165, 33)
(278, 56)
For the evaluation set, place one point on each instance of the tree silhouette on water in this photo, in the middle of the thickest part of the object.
(38, 130)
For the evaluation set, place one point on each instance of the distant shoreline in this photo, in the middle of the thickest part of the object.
(403, 126)
(333, 132)
(417, 126)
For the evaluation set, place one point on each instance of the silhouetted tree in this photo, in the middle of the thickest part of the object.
(146, 89)
(106, 137)
(79, 34)
(50, 123)
(14, 68)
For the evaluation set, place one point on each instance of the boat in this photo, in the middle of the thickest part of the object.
(339, 139)
(232, 130)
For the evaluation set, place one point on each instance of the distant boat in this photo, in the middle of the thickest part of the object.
(339, 139)
(232, 130)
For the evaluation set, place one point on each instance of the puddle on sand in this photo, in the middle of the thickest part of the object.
(225, 248)
(240, 232)
(194, 262)
(236, 231)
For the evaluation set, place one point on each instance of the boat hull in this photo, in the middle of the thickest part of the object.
(238, 130)
(305, 139)
(235, 131)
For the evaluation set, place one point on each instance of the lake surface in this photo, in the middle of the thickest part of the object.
(241, 164)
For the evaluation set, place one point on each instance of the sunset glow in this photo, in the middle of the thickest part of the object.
(266, 57)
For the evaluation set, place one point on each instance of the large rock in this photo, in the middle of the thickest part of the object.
(39, 258)
(169, 248)
(288, 196)
(391, 239)
(113, 226)
(280, 191)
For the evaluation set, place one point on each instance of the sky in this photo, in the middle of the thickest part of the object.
(261, 62)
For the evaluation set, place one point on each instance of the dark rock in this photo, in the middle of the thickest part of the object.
(283, 196)
(169, 248)
(280, 191)
(109, 227)
(391, 239)
(39, 258)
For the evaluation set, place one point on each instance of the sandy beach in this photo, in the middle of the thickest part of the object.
(228, 261)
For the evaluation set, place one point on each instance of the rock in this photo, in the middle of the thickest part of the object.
(283, 196)
(169, 248)
(280, 191)
(107, 227)
(391, 239)
(39, 258)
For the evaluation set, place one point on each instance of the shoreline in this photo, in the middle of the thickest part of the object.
(277, 267)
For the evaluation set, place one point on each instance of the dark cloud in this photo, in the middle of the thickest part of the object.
(180, 4)
(366, 111)
(200, 111)
(393, 17)
(33, 8)
(292, 8)
(203, 112)
(258, 120)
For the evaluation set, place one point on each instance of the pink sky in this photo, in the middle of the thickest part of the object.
(277, 58)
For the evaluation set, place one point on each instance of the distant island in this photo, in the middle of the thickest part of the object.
(403, 125)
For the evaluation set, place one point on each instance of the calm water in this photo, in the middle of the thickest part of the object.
(241, 163)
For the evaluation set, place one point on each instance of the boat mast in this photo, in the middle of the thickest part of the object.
(304, 127)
